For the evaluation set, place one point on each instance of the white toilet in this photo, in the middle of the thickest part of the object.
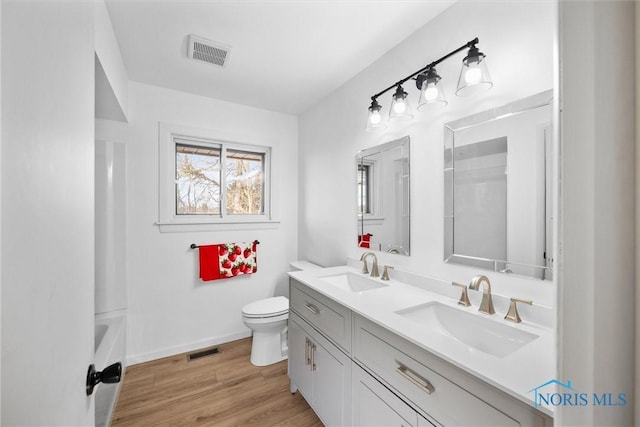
(267, 319)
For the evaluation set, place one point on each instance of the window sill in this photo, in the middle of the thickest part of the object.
(372, 220)
(190, 226)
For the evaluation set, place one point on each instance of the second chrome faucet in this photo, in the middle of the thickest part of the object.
(486, 306)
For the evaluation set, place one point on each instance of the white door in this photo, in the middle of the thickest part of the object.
(47, 254)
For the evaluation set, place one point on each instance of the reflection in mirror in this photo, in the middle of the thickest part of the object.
(383, 197)
(497, 189)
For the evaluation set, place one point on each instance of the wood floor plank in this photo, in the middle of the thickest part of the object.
(222, 389)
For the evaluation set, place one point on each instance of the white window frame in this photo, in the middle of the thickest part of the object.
(375, 216)
(168, 219)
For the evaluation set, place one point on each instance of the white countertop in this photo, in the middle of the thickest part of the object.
(515, 374)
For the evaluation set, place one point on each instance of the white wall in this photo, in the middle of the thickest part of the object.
(637, 376)
(517, 38)
(47, 212)
(596, 228)
(112, 95)
(169, 309)
(110, 227)
(0, 208)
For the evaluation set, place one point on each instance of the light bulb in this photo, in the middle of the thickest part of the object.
(400, 107)
(473, 75)
(375, 118)
(431, 93)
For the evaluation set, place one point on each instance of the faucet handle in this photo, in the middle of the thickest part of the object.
(512, 314)
(464, 297)
(385, 272)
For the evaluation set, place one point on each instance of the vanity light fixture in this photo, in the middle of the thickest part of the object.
(474, 77)
(431, 92)
(400, 108)
(375, 119)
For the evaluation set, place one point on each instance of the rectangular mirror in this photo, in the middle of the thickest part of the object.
(383, 197)
(498, 206)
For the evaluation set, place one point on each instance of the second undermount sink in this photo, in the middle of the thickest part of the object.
(353, 282)
(473, 331)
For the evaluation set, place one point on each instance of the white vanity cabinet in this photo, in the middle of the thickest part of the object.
(356, 372)
(319, 368)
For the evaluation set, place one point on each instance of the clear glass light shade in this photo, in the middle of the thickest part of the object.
(431, 95)
(400, 109)
(375, 120)
(474, 76)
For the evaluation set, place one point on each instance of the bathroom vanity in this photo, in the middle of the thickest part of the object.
(366, 352)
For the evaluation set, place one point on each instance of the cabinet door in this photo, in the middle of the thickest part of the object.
(299, 360)
(331, 384)
(374, 405)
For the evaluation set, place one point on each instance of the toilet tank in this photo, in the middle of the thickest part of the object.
(302, 265)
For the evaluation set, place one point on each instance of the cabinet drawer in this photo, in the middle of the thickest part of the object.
(329, 317)
(374, 405)
(433, 394)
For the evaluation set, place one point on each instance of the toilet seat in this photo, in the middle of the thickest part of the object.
(270, 307)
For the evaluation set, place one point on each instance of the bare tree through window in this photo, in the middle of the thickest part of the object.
(198, 181)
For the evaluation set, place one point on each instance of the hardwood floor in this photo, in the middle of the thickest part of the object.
(224, 389)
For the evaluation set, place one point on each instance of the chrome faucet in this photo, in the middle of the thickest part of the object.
(486, 306)
(374, 266)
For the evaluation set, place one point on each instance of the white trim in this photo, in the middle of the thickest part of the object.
(167, 218)
(183, 348)
(217, 226)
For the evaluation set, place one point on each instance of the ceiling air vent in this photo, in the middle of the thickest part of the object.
(208, 51)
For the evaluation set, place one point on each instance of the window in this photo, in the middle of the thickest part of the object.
(364, 188)
(197, 180)
(208, 181)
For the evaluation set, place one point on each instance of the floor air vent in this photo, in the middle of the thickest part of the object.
(202, 353)
(208, 51)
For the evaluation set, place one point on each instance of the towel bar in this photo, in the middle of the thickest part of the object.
(194, 246)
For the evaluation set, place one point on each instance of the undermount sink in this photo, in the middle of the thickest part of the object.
(473, 331)
(353, 282)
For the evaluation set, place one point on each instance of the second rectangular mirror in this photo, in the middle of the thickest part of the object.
(498, 181)
(383, 197)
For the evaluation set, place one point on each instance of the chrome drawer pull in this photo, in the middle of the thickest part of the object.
(416, 379)
(312, 308)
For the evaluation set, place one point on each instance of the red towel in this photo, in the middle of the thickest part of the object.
(209, 265)
(363, 241)
(227, 260)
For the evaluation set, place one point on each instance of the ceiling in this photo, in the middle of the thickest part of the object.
(285, 55)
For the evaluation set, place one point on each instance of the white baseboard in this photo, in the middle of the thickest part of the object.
(183, 348)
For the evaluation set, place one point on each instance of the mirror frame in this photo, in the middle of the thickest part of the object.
(405, 141)
(520, 106)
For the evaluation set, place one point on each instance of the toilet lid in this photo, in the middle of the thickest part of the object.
(267, 307)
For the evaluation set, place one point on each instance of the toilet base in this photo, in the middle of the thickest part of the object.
(267, 348)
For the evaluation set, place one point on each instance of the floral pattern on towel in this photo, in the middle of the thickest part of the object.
(236, 259)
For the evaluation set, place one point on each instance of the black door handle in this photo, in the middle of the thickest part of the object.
(110, 374)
